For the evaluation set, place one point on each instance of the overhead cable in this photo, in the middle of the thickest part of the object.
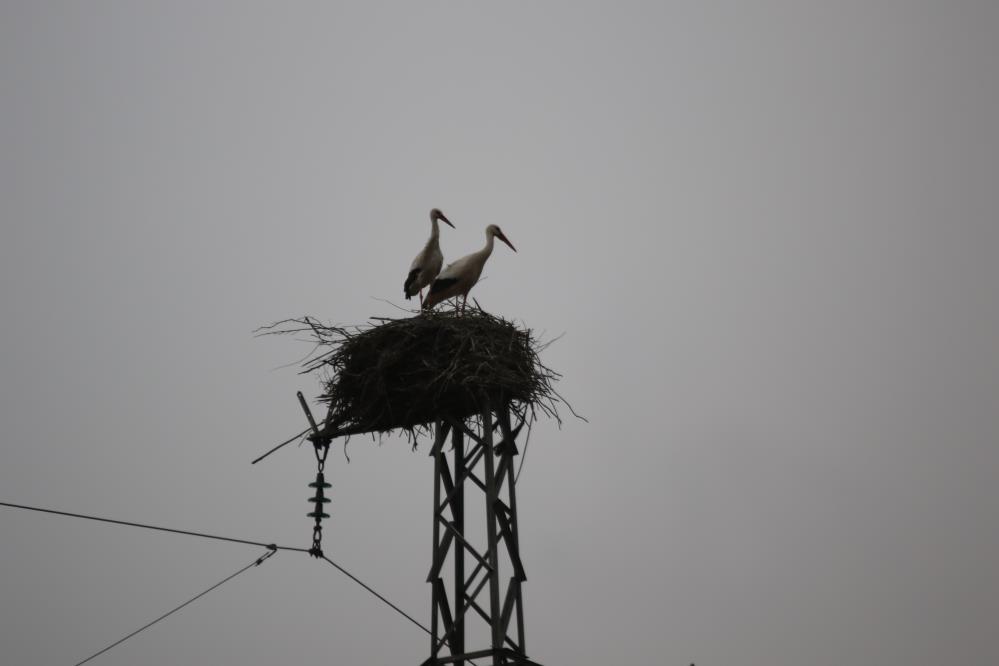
(256, 562)
(366, 587)
(154, 527)
(272, 548)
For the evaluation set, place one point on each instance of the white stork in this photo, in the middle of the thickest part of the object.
(427, 263)
(459, 277)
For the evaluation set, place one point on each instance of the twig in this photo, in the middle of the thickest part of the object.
(284, 443)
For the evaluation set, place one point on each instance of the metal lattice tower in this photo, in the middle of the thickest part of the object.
(491, 592)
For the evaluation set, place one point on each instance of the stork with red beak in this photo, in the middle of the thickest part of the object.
(459, 277)
(427, 263)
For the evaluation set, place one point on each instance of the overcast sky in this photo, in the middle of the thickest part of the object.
(767, 229)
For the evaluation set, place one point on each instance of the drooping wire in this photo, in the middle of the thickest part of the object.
(369, 589)
(271, 547)
(386, 601)
(256, 562)
(154, 527)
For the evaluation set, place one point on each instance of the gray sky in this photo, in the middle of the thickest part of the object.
(768, 230)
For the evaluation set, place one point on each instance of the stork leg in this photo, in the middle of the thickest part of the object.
(421, 298)
(464, 300)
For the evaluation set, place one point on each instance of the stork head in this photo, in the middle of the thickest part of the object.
(493, 230)
(436, 214)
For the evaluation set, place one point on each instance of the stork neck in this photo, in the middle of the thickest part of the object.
(488, 249)
(435, 230)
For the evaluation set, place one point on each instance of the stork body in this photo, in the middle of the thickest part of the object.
(427, 264)
(459, 277)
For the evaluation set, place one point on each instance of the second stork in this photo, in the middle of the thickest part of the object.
(459, 277)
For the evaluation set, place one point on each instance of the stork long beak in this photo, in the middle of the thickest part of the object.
(446, 220)
(506, 240)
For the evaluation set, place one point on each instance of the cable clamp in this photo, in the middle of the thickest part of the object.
(263, 557)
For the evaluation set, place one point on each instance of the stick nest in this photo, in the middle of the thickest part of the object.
(406, 373)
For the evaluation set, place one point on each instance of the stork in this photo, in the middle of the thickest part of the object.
(427, 263)
(459, 277)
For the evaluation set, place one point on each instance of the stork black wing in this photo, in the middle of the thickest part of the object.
(410, 279)
(440, 284)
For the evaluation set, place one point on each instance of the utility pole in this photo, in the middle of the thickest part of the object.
(483, 451)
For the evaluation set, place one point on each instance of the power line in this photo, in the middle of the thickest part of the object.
(256, 562)
(386, 601)
(270, 546)
(366, 587)
(154, 527)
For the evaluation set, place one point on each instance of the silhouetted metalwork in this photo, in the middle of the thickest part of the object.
(485, 595)
(322, 446)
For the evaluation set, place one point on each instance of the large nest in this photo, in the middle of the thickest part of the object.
(405, 373)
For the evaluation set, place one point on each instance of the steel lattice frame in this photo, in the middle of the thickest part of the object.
(474, 465)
